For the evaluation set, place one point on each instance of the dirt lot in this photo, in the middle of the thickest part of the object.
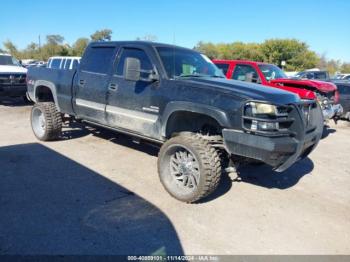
(96, 192)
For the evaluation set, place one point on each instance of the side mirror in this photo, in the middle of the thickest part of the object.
(132, 69)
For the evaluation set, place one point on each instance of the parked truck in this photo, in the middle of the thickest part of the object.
(177, 98)
(12, 77)
(325, 93)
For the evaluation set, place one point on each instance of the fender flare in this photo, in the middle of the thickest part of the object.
(50, 86)
(177, 106)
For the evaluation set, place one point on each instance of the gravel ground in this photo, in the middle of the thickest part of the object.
(96, 192)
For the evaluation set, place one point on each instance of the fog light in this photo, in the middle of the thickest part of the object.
(268, 126)
(254, 125)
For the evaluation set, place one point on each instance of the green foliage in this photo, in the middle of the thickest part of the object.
(79, 46)
(296, 54)
(102, 35)
(345, 68)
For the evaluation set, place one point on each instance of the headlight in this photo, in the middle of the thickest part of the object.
(260, 109)
(261, 117)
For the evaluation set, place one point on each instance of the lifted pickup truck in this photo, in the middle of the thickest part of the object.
(178, 98)
(270, 75)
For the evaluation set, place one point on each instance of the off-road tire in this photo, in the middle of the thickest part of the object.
(53, 121)
(209, 163)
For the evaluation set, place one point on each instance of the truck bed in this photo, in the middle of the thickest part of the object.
(62, 81)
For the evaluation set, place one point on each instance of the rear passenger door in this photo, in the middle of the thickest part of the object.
(92, 81)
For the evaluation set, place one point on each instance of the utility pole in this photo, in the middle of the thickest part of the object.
(40, 49)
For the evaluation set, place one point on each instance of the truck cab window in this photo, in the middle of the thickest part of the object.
(223, 67)
(134, 53)
(67, 65)
(98, 59)
(246, 73)
(55, 63)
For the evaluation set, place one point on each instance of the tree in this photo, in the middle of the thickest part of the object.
(345, 68)
(296, 54)
(54, 39)
(102, 35)
(11, 48)
(79, 46)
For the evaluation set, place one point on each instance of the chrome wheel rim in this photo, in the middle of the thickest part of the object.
(38, 122)
(184, 169)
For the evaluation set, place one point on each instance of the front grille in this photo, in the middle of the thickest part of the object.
(12, 79)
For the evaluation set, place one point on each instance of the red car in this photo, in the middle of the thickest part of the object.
(270, 75)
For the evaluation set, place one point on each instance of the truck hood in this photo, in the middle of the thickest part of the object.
(12, 69)
(244, 90)
(321, 86)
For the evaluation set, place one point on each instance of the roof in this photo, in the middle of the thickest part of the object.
(65, 57)
(5, 54)
(342, 82)
(240, 61)
(136, 42)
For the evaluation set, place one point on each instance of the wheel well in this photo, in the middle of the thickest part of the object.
(181, 121)
(43, 94)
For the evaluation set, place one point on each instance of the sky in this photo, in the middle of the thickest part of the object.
(323, 24)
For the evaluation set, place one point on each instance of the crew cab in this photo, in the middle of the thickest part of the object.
(270, 75)
(179, 99)
(12, 77)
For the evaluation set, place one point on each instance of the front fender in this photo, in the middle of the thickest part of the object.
(219, 115)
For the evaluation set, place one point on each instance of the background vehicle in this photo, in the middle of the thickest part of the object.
(344, 94)
(12, 77)
(342, 77)
(316, 75)
(178, 98)
(270, 75)
(63, 62)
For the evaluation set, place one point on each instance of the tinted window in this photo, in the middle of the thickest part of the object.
(223, 67)
(344, 90)
(67, 65)
(135, 53)
(347, 78)
(98, 59)
(55, 63)
(179, 62)
(320, 75)
(245, 73)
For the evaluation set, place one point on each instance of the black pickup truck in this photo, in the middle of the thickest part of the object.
(178, 98)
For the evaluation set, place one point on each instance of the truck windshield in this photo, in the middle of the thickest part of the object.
(182, 63)
(8, 60)
(272, 72)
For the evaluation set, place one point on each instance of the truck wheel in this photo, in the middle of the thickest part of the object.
(46, 121)
(189, 167)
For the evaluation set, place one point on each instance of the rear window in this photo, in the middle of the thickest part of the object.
(223, 67)
(343, 89)
(55, 63)
(98, 60)
(67, 65)
(320, 75)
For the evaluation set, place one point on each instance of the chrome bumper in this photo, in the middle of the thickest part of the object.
(330, 111)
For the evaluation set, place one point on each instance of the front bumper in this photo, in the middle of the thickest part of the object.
(331, 111)
(13, 90)
(280, 152)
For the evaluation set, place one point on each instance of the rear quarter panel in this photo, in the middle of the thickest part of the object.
(57, 80)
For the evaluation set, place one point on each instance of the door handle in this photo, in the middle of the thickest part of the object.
(113, 87)
(81, 82)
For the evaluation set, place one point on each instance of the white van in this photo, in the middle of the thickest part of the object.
(63, 62)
